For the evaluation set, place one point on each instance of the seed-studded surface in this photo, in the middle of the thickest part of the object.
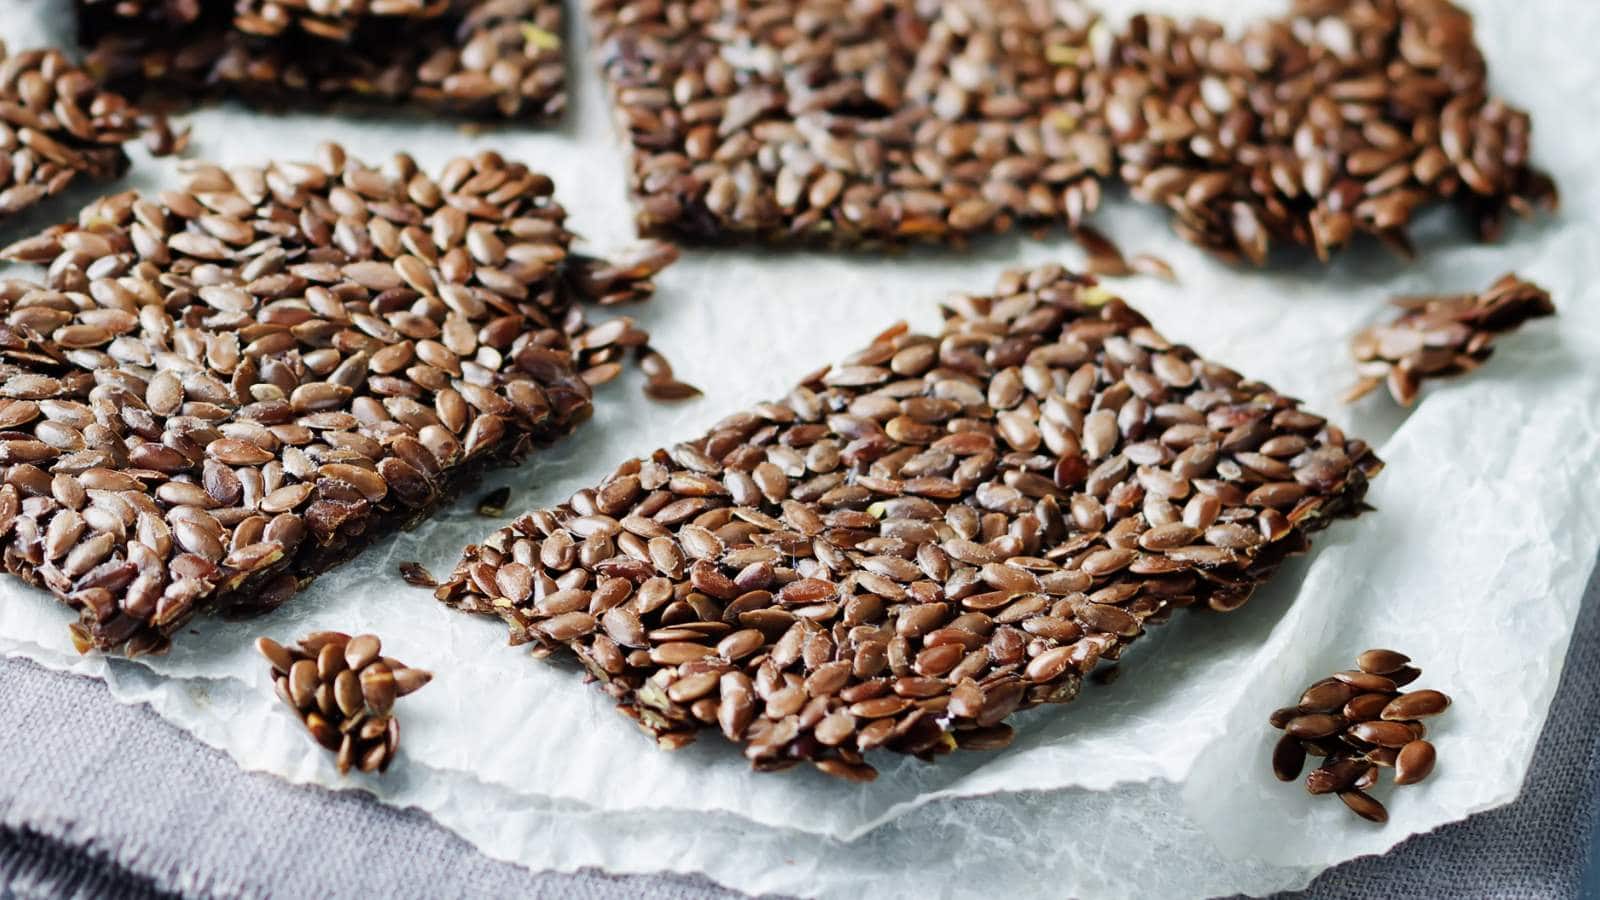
(344, 689)
(1344, 118)
(1359, 722)
(847, 122)
(857, 123)
(477, 58)
(56, 125)
(222, 390)
(1438, 337)
(336, 20)
(914, 544)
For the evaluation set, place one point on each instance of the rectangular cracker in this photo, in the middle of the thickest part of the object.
(914, 544)
(482, 59)
(220, 391)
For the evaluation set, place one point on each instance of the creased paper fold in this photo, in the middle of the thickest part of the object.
(1488, 523)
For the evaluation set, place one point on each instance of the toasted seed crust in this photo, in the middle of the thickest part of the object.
(223, 390)
(468, 58)
(880, 560)
(858, 125)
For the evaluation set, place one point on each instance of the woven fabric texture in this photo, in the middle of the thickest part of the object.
(98, 799)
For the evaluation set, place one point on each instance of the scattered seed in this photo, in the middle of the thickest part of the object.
(1375, 729)
(416, 575)
(1381, 662)
(1443, 336)
(669, 388)
(346, 710)
(1362, 804)
(1288, 758)
(1414, 763)
(1416, 705)
(1105, 258)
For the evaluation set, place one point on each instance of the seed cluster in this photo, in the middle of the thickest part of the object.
(1442, 336)
(344, 691)
(1359, 721)
(57, 125)
(474, 58)
(914, 544)
(223, 390)
(858, 123)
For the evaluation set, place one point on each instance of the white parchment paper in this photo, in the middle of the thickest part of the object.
(1488, 525)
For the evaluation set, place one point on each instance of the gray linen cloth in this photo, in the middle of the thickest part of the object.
(98, 799)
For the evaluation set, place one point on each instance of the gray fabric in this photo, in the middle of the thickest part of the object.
(99, 799)
(1538, 847)
(127, 791)
(33, 866)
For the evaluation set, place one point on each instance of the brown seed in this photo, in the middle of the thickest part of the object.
(322, 732)
(1049, 665)
(1363, 805)
(347, 691)
(1327, 696)
(567, 626)
(1288, 758)
(668, 389)
(1336, 775)
(676, 653)
(1361, 681)
(362, 650)
(330, 662)
(1416, 705)
(1366, 707)
(1405, 675)
(1381, 662)
(316, 640)
(378, 687)
(416, 575)
(1314, 725)
(1415, 762)
(1280, 717)
(303, 682)
(1384, 734)
(408, 680)
(1383, 756)
(276, 654)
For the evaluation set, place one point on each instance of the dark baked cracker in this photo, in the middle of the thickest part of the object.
(863, 123)
(220, 391)
(1343, 118)
(470, 58)
(847, 123)
(914, 544)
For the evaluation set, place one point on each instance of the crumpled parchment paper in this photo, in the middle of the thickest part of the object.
(1488, 524)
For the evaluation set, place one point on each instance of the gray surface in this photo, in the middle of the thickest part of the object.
(99, 799)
